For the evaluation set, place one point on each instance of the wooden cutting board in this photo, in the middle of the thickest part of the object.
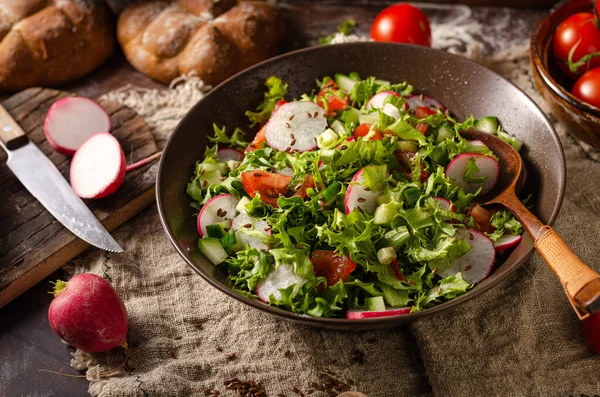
(33, 244)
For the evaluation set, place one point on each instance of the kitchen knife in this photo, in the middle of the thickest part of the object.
(43, 180)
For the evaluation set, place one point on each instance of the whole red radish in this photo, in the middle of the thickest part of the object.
(591, 331)
(98, 167)
(88, 314)
(73, 120)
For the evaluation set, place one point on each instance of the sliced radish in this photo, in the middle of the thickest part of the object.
(246, 222)
(216, 210)
(98, 167)
(391, 111)
(281, 278)
(362, 314)
(228, 154)
(488, 168)
(506, 242)
(445, 204)
(360, 196)
(376, 102)
(421, 100)
(72, 121)
(295, 126)
(477, 263)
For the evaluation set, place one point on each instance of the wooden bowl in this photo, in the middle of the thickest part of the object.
(582, 120)
(465, 87)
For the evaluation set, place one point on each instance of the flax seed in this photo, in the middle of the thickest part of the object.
(248, 225)
(362, 199)
(287, 125)
(315, 114)
(309, 115)
(367, 189)
(257, 174)
(292, 142)
(292, 118)
(223, 213)
(292, 136)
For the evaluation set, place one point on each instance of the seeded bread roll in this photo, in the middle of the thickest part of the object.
(211, 38)
(50, 42)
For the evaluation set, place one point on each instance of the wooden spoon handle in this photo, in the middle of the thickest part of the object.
(581, 284)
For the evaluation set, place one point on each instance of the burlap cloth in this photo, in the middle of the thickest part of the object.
(519, 339)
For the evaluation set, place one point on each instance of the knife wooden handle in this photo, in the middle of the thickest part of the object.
(11, 134)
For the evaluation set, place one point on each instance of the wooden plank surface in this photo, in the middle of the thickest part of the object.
(33, 243)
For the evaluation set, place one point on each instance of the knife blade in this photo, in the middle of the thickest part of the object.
(43, 180)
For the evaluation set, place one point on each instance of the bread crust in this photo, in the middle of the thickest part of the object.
(51, 42)
(167, 39)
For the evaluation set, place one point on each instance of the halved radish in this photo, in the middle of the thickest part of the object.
(421, 100)
(353, 314)
(376, 101)
(295, 126)
(72, 121)
(391, 110)
(506, 242)
(98, 167)
(250, 224)
(488, 168)
(477, 263)
(280, 278)
(360, 196)
(445, 204)
(216, 210)
(228, 154)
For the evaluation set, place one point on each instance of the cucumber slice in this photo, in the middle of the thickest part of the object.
(339, 128)
(386, 255)
(383, 83)
(217, 230)
(212, 249)
(384, 214)
(345, 83)
(487, 124)
(407, 145)
(354, 76)
(374, 303)
(230, 242)
(350, 116)
(370, 118)
(241, 205)
(444, 132)
(327, 139)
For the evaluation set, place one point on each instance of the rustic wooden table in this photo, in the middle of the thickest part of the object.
(27, 344)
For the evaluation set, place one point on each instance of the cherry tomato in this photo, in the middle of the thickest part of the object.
(587, 87)
(258, 142)
(308, 183)
(363, 130)
(577, 33)
(330, 265)
(422, 128)
(402, 23)
(591, 331)
(269, 185)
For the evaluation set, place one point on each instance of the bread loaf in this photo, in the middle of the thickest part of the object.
(211, 38)
(50, 42)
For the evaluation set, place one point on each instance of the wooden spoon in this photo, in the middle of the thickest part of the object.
(581, 284)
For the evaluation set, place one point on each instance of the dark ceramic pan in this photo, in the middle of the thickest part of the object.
(463, 86)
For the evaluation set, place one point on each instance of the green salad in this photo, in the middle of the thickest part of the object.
(355, 200)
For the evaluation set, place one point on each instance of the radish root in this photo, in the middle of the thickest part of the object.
(101, 374)
(143, 162)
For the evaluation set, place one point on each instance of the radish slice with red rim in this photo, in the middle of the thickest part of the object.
(216, 210)
(488, 169)
(476, 264)
(376, 101)
(228, 154)
(244, 222)
(360, 196)
(72, 121)
(506, 242)
(445, 204)
(362, 314)
(295, 126)
(421, 100)
(98, 167)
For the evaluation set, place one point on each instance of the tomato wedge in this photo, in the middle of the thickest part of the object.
(258, 142)
(330, 92)
(423, 112)
(332, 266)
(363, 130)
(270, 185)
